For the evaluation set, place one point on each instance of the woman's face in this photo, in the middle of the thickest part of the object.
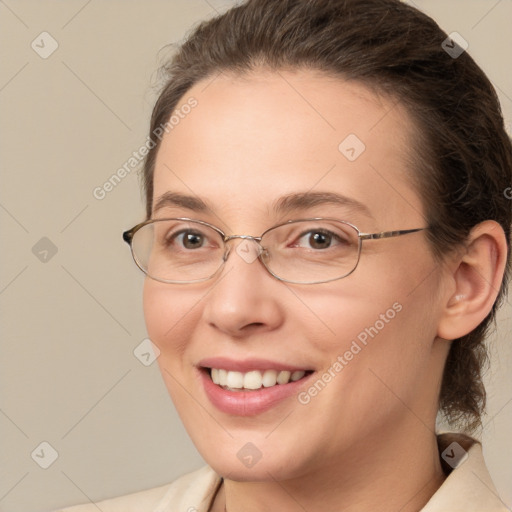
(369, 339)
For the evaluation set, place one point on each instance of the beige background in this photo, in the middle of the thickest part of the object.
(69, 325)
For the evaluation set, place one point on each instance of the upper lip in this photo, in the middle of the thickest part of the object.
(247, 365)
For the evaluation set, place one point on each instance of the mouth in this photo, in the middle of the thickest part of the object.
(253, 380)
(250, 388)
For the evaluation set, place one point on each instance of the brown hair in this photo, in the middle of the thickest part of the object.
(462, 155)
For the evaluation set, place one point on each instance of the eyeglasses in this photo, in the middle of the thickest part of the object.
(305, 251)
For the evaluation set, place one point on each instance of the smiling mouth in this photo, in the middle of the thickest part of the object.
(253, 380)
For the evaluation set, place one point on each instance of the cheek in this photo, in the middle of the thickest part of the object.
(334, 316)
(170, 314)
(378, 350)
(171, 317)
(389, 329)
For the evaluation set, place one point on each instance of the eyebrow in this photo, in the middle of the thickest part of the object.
(306, 200)
(286, 204)
(170, 199)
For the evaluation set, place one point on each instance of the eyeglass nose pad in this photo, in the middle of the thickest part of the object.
(226, 254)
(249, 250)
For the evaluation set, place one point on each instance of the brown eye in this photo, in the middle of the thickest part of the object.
(192, 240)
(188, 239)
(318, 239)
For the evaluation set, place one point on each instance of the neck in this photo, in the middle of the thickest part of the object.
(383, 473)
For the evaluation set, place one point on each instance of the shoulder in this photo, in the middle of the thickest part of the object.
(192, 491)
(468, 486)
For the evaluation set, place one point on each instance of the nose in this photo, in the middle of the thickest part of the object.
(244, 298)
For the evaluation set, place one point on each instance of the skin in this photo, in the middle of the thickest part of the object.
(367, 441)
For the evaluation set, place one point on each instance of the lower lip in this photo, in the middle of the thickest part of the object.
(248, 403)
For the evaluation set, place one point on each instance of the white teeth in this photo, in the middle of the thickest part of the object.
(298, 375)
(254, 379)
(223, 377)
(269, 378)
(235, 380)
(283, 377)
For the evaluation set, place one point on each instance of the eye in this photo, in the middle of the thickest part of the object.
(180, 238)
(189, 239)
(319, 239)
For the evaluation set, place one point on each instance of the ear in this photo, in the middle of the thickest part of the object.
(476, 277)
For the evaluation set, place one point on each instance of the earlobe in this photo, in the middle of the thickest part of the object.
(477, 278)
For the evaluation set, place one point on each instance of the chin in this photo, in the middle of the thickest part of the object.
(244, 461)
(261, 471)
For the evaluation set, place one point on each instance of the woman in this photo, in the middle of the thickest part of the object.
(326, 246)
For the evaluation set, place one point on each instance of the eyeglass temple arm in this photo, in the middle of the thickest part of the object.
(388, 234)
(128, 235)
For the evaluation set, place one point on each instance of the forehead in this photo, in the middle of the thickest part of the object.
(254, 138)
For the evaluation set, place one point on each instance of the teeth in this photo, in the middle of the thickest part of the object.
(253, 379)
(235, 380)
(269, 378)
(283, 377)
(298, 375)
(223, 377)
